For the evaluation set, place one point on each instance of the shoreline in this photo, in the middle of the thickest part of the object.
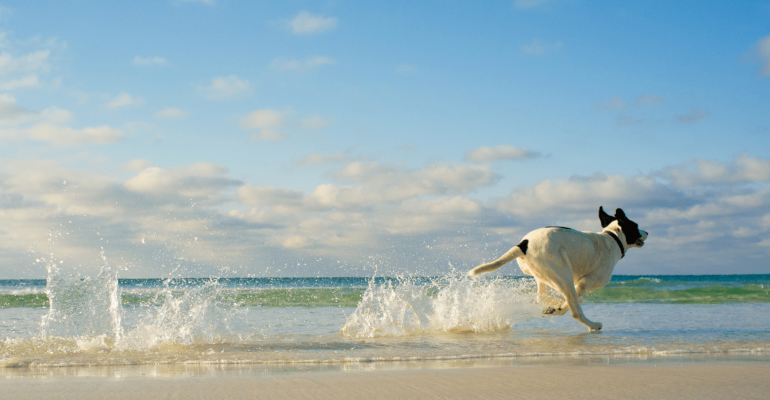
(576, 377)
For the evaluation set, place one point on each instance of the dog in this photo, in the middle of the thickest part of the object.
(572, 262)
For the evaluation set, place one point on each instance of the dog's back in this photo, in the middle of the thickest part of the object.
(587, 252)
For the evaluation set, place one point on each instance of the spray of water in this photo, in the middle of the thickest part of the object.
(455, 304)
(82, 306)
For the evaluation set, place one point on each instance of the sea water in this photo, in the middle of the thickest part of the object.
(107, 321)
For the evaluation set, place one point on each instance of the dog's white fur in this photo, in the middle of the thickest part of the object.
(571, 262)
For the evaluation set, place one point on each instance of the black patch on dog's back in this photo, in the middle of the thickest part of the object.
(558, 227)
(523, 246)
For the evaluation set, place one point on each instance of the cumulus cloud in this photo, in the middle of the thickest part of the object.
(171, 113)
(30, 80)
(487, 154)
(200, 182)
(11, 113)
(701, 172)
(306, 23)
(269, 196)
(310, 63)
(693, 116)
(148, 61)
(47, 128)
(539, 47)
(223, 87)
(315, 158)
(73, 137)
(585, 193)
(398, 215)
(267, 122)
(22, 71)
(123, 100)
(32, 62)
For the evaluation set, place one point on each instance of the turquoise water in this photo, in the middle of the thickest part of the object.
(104, 320)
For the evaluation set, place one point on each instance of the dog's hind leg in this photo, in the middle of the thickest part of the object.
(555, 306)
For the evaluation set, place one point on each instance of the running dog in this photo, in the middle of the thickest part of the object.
(572, 262)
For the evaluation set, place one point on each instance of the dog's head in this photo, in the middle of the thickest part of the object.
(634, 236)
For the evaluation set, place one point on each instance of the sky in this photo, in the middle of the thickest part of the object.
(337, 138)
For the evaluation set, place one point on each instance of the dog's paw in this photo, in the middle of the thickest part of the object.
(597, 327)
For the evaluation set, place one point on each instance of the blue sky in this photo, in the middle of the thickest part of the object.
(335, 138)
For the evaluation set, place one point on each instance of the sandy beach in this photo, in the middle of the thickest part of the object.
(671, 380)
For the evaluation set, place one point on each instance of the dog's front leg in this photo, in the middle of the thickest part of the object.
(571, 294)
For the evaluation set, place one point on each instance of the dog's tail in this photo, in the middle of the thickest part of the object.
(512, 254)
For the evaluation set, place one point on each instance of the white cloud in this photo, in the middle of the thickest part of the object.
(580, 194)
(33, 62)
(694, 116)
(171, 113)
(539, 47)
(322, 158)
(314, 121)
(12, 114)
(200, 182)
(305, 23)
(148, 61)
(487, 154)
(137, 165)
(52, 133)
(389, 212)
(269, 196)
(56, 115)
(310, 63)
(123, 100)
(267, 122)
(30, 80)
(225, 87)
(265, 118)
(22, 72)
(73, 137)
(709, 173)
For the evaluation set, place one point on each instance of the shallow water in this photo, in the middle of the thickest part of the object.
(103, 321)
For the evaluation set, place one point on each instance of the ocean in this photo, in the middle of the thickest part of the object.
(107, 321)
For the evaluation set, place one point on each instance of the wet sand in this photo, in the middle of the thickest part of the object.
(686, 380)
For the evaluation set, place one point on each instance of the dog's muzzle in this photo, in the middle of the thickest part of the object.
(639, 242)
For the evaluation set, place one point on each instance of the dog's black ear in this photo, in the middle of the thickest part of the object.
(619, 214)
(605, 218)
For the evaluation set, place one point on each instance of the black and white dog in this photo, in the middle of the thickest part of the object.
(572, 262)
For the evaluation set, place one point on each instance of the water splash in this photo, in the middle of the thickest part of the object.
(195, 316)
(82, 307)
(454, 304)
